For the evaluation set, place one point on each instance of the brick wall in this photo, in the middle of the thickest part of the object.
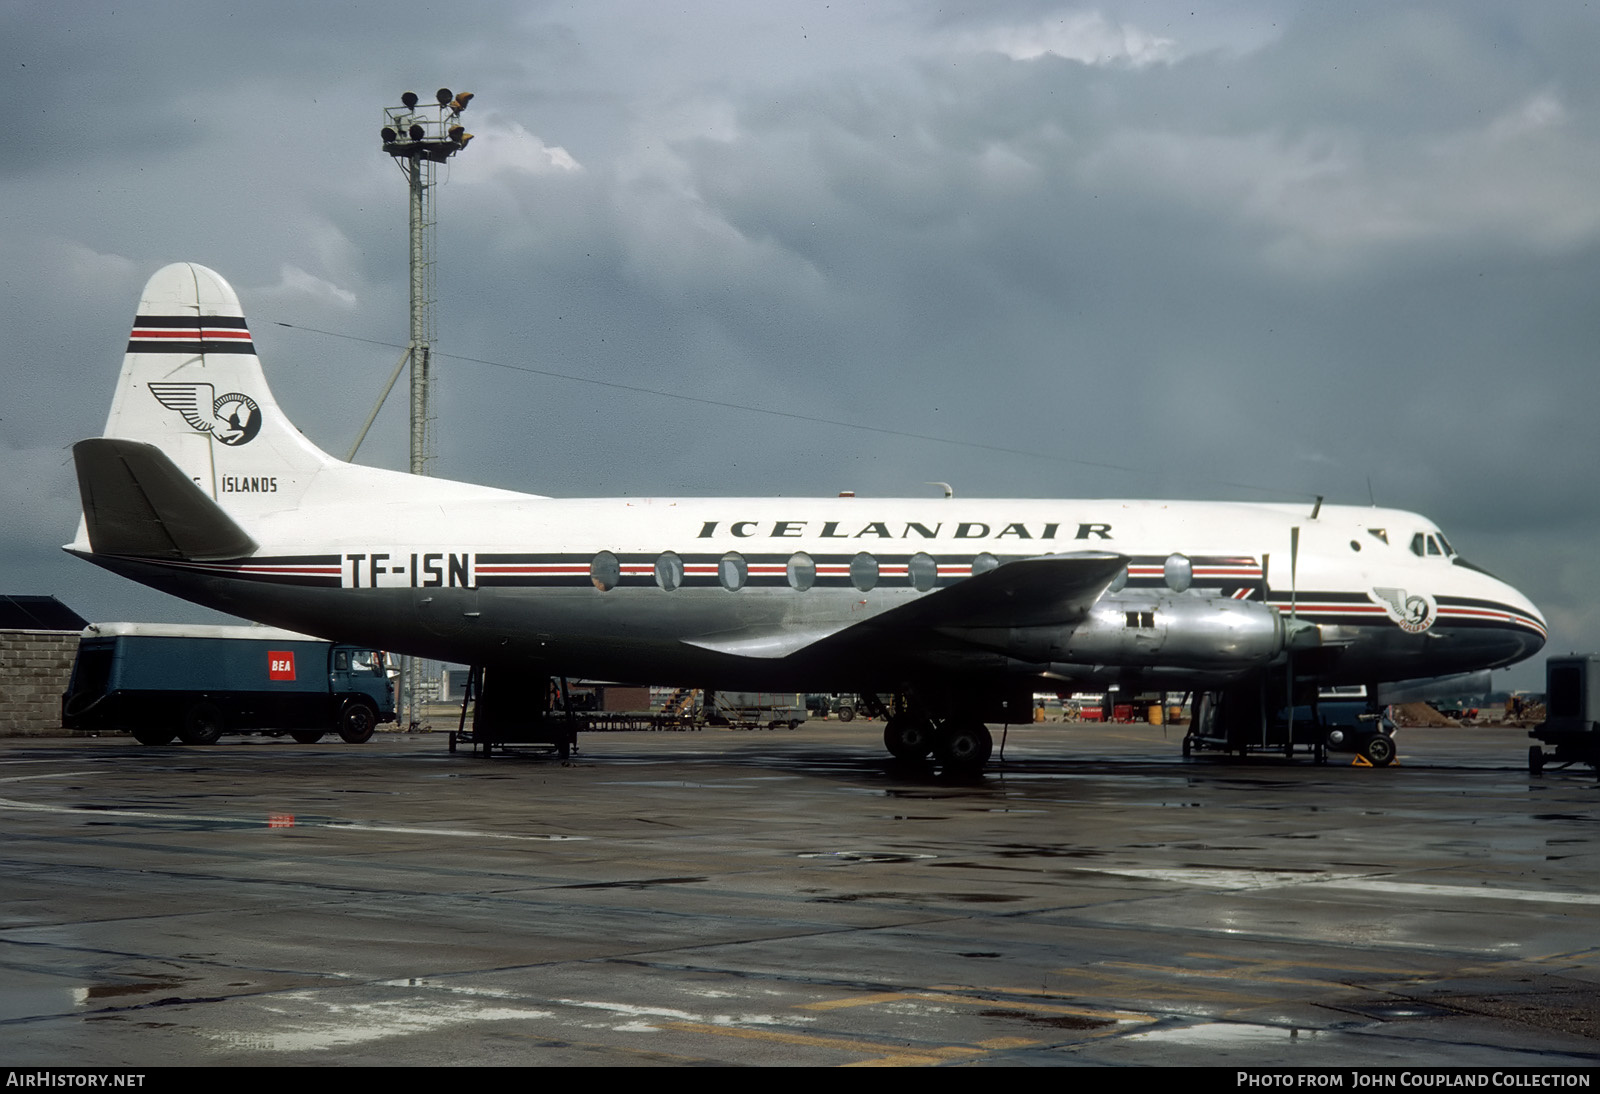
(34, 667)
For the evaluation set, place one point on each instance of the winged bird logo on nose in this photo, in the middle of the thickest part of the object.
(232, 419)
(1414, 613)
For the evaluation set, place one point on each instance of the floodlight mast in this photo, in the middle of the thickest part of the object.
(419, 137)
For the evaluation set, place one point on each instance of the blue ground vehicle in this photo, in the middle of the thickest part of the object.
(160, 681)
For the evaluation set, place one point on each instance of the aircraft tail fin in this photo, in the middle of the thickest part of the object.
(137, 502)
(192, 386)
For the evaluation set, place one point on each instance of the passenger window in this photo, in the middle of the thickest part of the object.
(1179, 573)
(923, 571)
(984, 563)
(605, 571)
(341, 660)
(669, 571)
(732, 571)
(1119, 582)
(864, 571)
(802, 572)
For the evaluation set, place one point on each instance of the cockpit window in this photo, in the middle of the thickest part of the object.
(1379, 533)
(1431, 545)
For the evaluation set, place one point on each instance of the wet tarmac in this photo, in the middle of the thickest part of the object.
(795, 897)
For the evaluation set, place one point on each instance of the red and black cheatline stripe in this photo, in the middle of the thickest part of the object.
(1235, 576)
(190, 334)
(699, 570)
(1461, 611)
(1350, 609)
(1357, 609)
(318, 571)
(542, 570)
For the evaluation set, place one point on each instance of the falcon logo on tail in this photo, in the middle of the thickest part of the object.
(232, 419)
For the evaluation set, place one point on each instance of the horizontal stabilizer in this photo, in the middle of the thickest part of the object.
(137, 502)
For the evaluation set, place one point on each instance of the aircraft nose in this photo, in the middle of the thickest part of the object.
(1524, 628)
(1501, 621)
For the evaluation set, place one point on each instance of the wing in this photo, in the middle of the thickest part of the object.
(1030, 592)
(194, 401)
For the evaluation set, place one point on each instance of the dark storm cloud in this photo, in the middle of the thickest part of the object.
(1258, 251)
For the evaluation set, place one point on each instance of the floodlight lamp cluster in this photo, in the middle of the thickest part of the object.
(429, 132)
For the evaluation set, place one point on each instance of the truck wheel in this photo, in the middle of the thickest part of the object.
(153, 736)
(202, 725)
(306, 736)
(357, 722)
(846, 712)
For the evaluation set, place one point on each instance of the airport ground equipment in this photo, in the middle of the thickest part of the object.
(754, 709)
(505, 712)
(195, 683)
(512, 708)
(1240, 721)
(1572, 714)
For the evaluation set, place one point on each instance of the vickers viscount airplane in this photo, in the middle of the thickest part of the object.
(959, 608)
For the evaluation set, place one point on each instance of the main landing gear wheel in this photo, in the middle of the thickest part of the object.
(306, 736)
(357, 722)
(202, 725)
(1535, 760)
(963, 746)
(908, 737)
(1379, 750)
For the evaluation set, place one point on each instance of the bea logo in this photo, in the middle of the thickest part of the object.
(280, 664)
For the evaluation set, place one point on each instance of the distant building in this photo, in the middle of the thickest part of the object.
(38, 641)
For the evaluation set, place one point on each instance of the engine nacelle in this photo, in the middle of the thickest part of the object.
(1145, 629)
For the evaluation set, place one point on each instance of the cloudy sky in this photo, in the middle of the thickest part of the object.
(1251, 250)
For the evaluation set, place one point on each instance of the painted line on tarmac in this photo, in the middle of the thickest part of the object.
(49, 775)
(1537, 896)
(276, 820)
(1224, 878)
